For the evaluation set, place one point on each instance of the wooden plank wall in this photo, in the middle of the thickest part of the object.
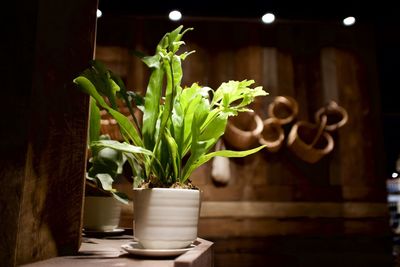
(277, 194)
(44, 129)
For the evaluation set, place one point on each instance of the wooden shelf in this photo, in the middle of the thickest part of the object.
(107, 252)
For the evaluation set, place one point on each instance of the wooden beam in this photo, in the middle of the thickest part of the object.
(261, 227)
(254, 210)
(43, 159)
(258, 209)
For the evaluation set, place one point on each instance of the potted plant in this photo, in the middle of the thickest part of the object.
(179, 127)
(102, 206)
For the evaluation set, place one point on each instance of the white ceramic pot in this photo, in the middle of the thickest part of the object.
(166, 218)
(101, 213)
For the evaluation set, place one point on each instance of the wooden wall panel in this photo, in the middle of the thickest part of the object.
(50, 216)
(313, 63)
(43, 162)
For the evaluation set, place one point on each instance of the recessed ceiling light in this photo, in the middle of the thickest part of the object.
(268, 18)
(395, 175)
(175, 15)
(99, 13)
(349, 21)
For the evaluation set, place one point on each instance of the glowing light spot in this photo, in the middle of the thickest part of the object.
(268, 18)
(175, 15)
(349, 21)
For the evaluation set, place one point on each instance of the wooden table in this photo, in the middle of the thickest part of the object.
(101, 252)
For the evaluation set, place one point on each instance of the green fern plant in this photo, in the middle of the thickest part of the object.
(179, 127)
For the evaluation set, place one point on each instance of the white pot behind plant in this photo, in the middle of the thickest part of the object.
(101, 213)
(166, 218)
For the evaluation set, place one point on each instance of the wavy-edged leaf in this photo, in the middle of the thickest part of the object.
(106, 160)
(232, 91)
(100, 77)
(222, 153)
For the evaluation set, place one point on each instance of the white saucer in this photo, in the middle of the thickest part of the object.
(136, 249)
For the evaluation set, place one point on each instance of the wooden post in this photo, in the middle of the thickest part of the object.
(43, 136)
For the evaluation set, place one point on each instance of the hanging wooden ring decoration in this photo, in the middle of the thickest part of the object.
(283, 108)
(272, 135)
(336, 115)
(243, 130)
(310, 142)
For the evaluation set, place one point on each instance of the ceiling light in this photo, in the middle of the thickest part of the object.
(175, 15)
(99, 13)
(349, 21)
(395, 175)
(268, 18)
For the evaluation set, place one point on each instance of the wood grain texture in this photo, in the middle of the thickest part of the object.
(263, 227)
(313, 63)
(105, 252)
(18, 45)
(45, 151)
(257, 209)
(201, 256)
(51, 210)
(310, 251)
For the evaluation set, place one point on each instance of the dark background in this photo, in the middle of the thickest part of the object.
(382, 15)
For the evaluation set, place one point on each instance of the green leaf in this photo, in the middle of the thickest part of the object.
(152, 61)
(232, 91)
(194, 100)
(126, 96)
(169, 100)
(178, 126)
(137, 181)
(123, 147)
(174, 155)
(173, 38)
(222, 153)
(94, 121)
(176, 71)
(215, 127)
(106, 181)
(136, 98)
(198, 147)
(152, 107)
(137, 170)
(173, 124)
(100, 77)
(121, 197)
(126, 127)
(106, 160)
